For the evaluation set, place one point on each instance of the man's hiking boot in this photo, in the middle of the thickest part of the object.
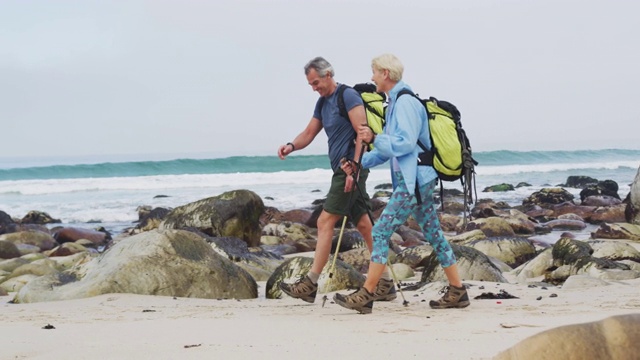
(360, 300)
(303, 289)
(454, 297)
(385, 291)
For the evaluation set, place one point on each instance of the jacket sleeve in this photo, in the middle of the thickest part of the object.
(402, 139)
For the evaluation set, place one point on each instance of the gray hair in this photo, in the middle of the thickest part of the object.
(389, 62)
(320, 65)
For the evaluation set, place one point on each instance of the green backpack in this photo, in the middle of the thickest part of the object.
(450, 154)
(374, 104)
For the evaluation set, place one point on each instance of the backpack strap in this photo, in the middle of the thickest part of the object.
(341, 106)
(428, 152)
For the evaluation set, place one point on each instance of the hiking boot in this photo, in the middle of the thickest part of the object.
(385, 291)
(303, 289)
(454, 297)
(360, 300)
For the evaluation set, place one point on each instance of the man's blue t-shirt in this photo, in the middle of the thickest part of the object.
(339, 130)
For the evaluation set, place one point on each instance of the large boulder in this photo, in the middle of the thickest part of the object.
(169, 263)
(616, 337)
(231, 214)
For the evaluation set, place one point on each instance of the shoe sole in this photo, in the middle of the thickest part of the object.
(388, 297)
(460, 305)
(362, 310)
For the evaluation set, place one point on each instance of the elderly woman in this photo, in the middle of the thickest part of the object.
(413, 186)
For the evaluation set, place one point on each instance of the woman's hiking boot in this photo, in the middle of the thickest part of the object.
(360, 300)
(303, 289)
(385, 291)
(454, 297)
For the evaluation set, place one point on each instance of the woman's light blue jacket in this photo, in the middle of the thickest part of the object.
(406, 122)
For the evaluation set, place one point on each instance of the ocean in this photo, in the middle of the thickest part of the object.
(91, 192)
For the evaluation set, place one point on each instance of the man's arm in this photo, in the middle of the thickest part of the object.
(358, 117)
(303, 139)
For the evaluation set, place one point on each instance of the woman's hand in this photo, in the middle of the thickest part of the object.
(365, 134)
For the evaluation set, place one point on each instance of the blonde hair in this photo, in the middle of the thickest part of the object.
(389, 62)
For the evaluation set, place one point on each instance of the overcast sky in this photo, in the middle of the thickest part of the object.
(226, 78)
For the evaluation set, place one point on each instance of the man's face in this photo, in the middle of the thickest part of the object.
(378, 78)
(320, 84)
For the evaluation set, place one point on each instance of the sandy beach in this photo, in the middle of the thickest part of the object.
(126, 326)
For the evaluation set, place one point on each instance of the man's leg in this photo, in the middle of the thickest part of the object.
(326, 225)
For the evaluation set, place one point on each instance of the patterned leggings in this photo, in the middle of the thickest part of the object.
(402, 204)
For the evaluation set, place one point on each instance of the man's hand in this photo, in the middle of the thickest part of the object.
(349, 184)
(349, 167)
(284, 150)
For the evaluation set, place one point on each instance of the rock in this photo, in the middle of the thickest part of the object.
(513, 251)
(344, 276)
(6, 223)
(401, 271)
(491, 227)
(574, 257)
(289, 232)
(535, 267)
(608, 214)
(413, 256)
(565, 224)
(601, 200)
(467, 237)
(606, 188)
(150, 219)
(66, 249)
(614, 250)
(73, 234)
(297, 216)
(168, 263)
(38, 217)
(548, 196)
(351, 239)
(570, 208)
(472, 265)
(616, 337)
(231, 214)
(40, 239)
(12, 264)
(8, 250)
(617, 231)
(358, 258)
(257, 262)
(580, 181)
(632, 210)
(18, 282)
(582, 282)
(499, 188)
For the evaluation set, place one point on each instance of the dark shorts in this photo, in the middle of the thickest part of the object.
(338, 200)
